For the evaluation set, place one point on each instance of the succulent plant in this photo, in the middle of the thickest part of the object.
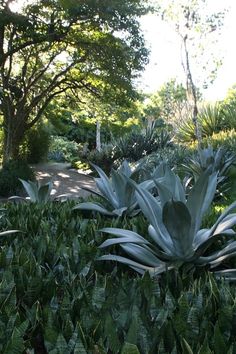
(37, 192)
(117, 193)
(175, 237)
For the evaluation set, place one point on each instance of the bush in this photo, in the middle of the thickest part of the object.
(106, 158)
(61, 149)
(10, 174)
(136, 145)
(37, 144)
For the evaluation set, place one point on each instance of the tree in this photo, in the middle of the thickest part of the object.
(198, 28)
(51, 47)
(169, 103)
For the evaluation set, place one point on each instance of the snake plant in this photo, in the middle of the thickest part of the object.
(175, 234)
(117, 193)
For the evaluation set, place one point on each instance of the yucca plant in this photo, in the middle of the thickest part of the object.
(117, 193)
(175, 237)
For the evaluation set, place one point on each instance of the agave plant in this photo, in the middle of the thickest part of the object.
(37, 192)
(175, 237)
(116, 192)
(218, 161)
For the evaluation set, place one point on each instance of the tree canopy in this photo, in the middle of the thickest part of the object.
(50, 47)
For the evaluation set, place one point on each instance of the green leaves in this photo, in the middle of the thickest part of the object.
(37, 193)
(118, 193)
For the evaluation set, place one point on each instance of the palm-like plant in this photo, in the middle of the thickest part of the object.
(175, 236)
(117, 193)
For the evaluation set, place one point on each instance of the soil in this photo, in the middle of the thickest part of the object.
(66, 182)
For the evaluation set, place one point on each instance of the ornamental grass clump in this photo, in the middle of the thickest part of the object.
(175, 236)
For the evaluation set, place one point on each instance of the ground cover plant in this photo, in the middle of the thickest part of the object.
(56, 298)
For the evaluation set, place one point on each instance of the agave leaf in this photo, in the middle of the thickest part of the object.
(122, 233)
(31, 189)
(223, 216)
(229, 274)
(227, 250)
(200, 198)
(164, 241)
(119, 212)
(44, 192)
(93, 207)
(124, 260)
(108, 193)
(142, 254)
(177, 220)
(103, 184)
(125, 168)
(225, 224)
(120, 240)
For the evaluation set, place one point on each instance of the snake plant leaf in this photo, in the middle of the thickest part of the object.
(177, 220)
(8, 232)
(200, 198)
(93, 207)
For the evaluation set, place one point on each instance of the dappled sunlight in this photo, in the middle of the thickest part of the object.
(65, 182)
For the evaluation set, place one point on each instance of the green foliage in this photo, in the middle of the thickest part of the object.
(117, 193)
(37, 144)
(176, 238)
(54, 295)
(219, 161)
(10, 174)
(136, 145)
(61, 149)
(106, 159)
(211, 120)
(37, 192)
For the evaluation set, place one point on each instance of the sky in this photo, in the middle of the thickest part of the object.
(165, 56)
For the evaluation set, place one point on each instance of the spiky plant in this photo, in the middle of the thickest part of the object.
(175, 234)
(37, 192)
(117, 193)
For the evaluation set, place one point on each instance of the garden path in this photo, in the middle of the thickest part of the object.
(66, 181)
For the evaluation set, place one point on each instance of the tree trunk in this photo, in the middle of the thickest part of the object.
(98, 135)
(11, 143)
(192, 95)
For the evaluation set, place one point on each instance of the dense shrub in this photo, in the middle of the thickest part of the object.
(10, 174)
(54, 295)
(106, 158)
(37, 144)
(136, 145)
(61, 149)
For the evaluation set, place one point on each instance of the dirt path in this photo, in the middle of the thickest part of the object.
(65, 180)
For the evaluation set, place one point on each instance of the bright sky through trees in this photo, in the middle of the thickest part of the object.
(165, 57)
